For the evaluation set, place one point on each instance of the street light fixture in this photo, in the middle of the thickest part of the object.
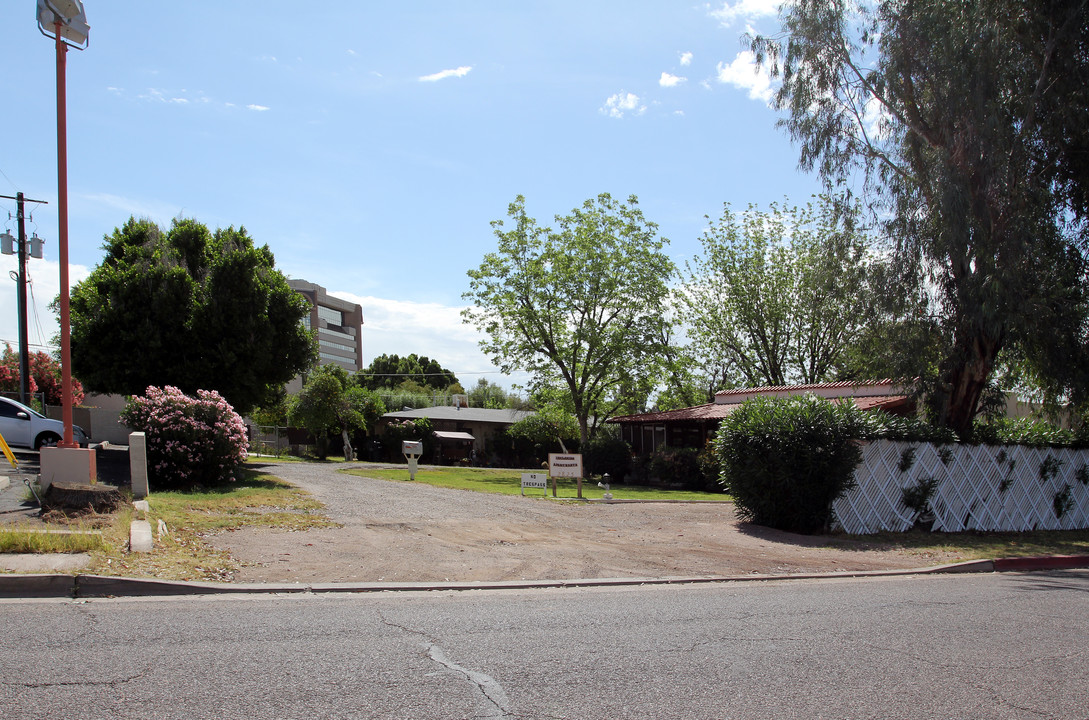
(69, 14)
(65, 22)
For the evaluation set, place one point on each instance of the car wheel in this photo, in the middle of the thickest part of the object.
(46, 439)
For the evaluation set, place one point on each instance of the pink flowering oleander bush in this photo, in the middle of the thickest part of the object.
(190, 440)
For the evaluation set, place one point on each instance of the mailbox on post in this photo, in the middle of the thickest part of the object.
(412, 450)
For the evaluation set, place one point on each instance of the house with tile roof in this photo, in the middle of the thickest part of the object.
(692, 426)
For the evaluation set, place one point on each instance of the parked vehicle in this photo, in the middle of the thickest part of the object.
(26, 427)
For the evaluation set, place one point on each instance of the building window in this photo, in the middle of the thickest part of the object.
(336, 334)
(337, 346)
(331, 316)
(334, 358)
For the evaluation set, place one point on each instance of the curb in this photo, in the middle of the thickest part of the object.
(99, 586)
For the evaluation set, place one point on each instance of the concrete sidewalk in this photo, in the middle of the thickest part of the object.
(99, 586)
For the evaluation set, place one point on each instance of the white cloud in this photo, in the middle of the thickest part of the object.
(744, 73)
(257, 108)
(877, 119)
(44, 278)
(402, 327)
(619, 104)
(747, 10)
(668, 80)
(443, 74)
(686, 58)
(159, 212)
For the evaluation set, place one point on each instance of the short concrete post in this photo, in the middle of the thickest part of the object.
(138, 464)
(67, 465)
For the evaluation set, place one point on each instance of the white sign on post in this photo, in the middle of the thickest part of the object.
(565, 466)
(537, 481)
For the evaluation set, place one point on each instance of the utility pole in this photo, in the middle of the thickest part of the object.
(36, 251)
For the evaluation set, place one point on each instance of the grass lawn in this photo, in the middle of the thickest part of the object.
(987, 545)
(32, 539)
(184, 554)
(504, 481)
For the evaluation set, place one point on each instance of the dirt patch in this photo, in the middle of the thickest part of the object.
(402, 532)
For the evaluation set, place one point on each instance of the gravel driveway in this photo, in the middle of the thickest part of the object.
(405, 532)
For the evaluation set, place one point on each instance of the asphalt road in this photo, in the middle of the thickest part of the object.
(979, 646)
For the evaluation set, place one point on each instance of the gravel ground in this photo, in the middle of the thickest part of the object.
(404, 532)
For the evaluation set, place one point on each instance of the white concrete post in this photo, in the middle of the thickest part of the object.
(138, 464)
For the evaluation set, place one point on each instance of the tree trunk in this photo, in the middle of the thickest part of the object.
(349, 454)
(69, 496)
(964, 384)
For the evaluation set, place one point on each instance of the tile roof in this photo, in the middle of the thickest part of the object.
(865, 395)
(832, 389)
(710, 411)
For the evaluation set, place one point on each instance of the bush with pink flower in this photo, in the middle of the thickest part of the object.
(190, 440)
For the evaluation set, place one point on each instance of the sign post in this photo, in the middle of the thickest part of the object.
(565, 465)
(412, 449)
(538, 481)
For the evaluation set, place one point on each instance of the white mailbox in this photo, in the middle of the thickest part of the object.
(412, 450)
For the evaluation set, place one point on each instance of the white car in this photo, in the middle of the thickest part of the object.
(27, 427)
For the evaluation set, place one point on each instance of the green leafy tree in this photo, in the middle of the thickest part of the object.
(331, 402)
(779, 296)
(581, 303)
(486, 394)
(548, 427)
(391, 371)
(968, 120)
(397, 431)
(189, 308)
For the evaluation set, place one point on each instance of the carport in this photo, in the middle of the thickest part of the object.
(453, 447)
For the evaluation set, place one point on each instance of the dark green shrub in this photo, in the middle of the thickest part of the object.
(684, 468)
(400, 430)
(785, 461)
(677, 467)
(878, 424)
(994, 431)
(1024, 431)
(1063, 502)
(916, 498)
(710, 468)
(610, 455)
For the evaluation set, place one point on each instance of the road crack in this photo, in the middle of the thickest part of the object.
(77, 683)
(495, 703)
(488, 686)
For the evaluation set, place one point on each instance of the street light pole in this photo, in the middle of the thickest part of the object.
(68, 22)
(62, 212)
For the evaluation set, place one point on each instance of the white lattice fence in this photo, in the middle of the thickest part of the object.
(979, 487)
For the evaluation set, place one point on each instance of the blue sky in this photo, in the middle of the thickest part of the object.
(370, 149)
